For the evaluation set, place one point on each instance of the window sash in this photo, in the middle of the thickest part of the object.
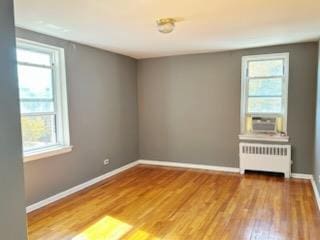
(37, 114)
(35, 149)
(247, 79)
(37, 99)
(56, 143)
(265, 113)
(59, 91)
(53, 99)
(264, 96)
(264, 60)
(245, 87)
(35, 65)
(266, 77)
(37, 48)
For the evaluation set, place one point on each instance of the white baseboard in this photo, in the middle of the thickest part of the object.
(84, 185)
(189, 165)
(313, 183)
(208, 167)
(228, 169)
(302, 176)
(316, 192)
(77, 188)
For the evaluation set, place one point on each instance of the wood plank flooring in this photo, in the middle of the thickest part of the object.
(148, 202)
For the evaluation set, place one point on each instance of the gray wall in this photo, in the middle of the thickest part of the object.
(316, 164)
(189, 106)
(102, 95)
(189, 111)
(12, 211)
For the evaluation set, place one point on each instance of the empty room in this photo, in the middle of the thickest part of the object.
(151, 120)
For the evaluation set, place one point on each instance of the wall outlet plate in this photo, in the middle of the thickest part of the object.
(319, 179)
(106, 162)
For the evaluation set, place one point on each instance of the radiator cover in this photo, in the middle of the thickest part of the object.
(265, 157)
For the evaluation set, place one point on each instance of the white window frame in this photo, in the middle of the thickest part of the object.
(60, 100)
(244, 87)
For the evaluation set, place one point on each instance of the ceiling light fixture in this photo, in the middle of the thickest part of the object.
(166, 25)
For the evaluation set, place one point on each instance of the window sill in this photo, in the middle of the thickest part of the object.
(264, 137)
(46, 153)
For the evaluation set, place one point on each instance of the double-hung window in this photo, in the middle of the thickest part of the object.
(265, 89)
(43, 99)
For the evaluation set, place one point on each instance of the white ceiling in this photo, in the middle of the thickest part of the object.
(128, 26)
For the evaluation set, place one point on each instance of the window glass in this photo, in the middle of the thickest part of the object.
(265, 87)
(38, 131)
(36, 107)
(42, 91)
(33, 57)
(265, 68)
(264, 90)
(264, 105)
(35, 82)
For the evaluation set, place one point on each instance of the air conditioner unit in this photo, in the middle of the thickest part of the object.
(264, 124)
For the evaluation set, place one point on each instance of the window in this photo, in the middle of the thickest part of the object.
(43, 99)
(265, 89)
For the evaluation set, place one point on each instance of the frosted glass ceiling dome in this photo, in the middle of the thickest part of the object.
(166, 25)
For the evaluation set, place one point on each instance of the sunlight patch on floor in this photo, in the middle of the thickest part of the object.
(109, 228)
(142, 235)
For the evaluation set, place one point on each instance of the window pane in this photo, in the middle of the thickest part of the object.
(264, 105)
(265, 87)
(38, 132)
(33, 57)
(266, 68)
(35, 82)
(36, 107)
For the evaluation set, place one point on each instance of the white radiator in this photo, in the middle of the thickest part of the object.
(265, 157)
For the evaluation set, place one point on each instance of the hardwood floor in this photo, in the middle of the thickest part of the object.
(156, 203)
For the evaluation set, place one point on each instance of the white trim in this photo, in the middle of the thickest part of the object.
(208, 167)
(58, 68)
(188, 165)
(46, 153)
(27, 44)
(61, 97)
(93, 181)
(263, 137)
(226, 169)
(301, 176)
(316, 192)
(244, 88)
(78, 188)
(313, 183)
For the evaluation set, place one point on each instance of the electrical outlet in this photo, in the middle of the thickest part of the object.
(319, 179)
(106, 162)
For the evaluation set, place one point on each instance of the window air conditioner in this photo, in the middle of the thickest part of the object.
(264, 125)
